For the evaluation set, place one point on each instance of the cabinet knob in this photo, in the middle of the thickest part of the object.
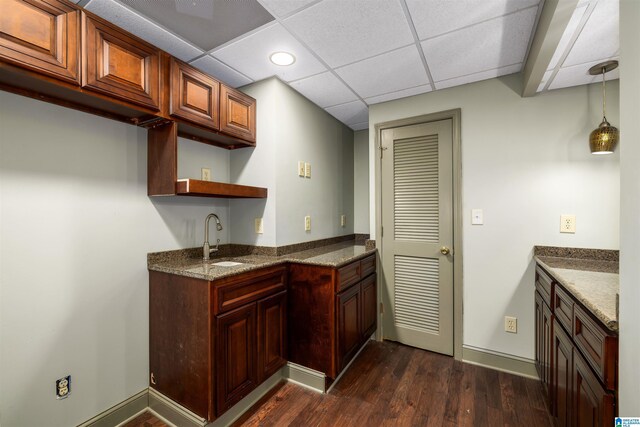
(445, 250)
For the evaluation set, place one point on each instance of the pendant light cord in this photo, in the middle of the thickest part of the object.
(604, 96)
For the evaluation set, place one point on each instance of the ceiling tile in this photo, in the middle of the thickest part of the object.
(389, 72)
(342, 32)
(476, 77)
(220, 71)
(250, 55)
(127, 19)
(599, 37)
(360, 126)
(350, 113)
(324, 90)
(574, 22)
(399, 94)
(579, 75)
(205, 23)
(435, 17)
(486, 46)
(283, 8)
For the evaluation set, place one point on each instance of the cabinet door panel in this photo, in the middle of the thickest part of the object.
(592, 405)
(561, 378)
(117, 64)
(41, 35)
(272, 335)
(369, 305)
(546, 343)
(349, 324)
(237, 114)
(194, 95)
(236, 356)
(538, 333)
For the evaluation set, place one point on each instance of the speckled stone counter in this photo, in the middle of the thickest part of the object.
(593, 282)
(188, 262)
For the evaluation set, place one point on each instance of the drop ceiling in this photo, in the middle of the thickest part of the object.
(354, 53)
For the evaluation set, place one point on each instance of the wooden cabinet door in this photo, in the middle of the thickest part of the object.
(546, 341)
(538, 333)
(561, 376)
(592, 405)
(120, 65)
(194, 95)
(236, 356)
(349, 324)
(272, 335)
(41, 35)
(237, 114)
(369, 305)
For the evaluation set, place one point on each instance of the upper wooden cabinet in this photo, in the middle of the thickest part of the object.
(120, 65)
(237, 114)
(41, 35)
(194, 95)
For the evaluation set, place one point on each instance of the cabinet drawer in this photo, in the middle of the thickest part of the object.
(599, 348)
(368, 266)
(120, 65)
(544, 285)
(563, 308)
(347, 276)
(243, 289)
(42, 36)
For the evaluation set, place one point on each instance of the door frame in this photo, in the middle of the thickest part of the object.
(455, 116)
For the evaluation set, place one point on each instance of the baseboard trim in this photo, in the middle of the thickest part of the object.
(121, 412)
(173, 412)
(499, 361)
(305, 377)
(346, 368)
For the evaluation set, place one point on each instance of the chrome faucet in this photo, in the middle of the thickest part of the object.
(206, 249)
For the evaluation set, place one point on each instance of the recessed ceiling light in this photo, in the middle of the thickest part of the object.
(282, 58)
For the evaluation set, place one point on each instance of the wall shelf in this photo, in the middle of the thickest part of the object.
(196, 187)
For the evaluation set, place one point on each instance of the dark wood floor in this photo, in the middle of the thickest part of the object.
(395, 385)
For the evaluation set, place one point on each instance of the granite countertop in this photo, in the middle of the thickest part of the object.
(186, 264)
(593, 282)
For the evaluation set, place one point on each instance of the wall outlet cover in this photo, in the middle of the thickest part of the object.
(511, 324)
(307, 170)
(63, 387)
(343, 220)
(307, 223)
(477, 217)
(259, 225)
(206, 174)
(567, 223)
(301, 168)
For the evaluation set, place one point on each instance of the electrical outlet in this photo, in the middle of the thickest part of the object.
(511, 324)
(206, 174)
(343, 220)
(567, 223)
(259, 226)
(301, 168)
(307, 170)
(63, 387)
(307, 223)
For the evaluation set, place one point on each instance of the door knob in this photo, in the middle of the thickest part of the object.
(445, 250)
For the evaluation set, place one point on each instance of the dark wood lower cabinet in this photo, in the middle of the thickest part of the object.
(349, 324)
(593, 406)
(272, 335)
(369, 306)
(561, 381)
(237, 373)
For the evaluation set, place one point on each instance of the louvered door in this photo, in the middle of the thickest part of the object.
(417, 221)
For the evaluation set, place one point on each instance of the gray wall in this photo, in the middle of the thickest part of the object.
(75, 228)
(629, 391)
(361, 181)
(525, 161)
(290, 129)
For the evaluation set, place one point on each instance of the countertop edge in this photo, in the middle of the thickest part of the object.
(610, 324)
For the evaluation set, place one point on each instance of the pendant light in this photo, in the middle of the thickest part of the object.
(604, 139)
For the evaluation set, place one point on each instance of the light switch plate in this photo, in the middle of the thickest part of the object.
(206, 174)
(567, 223)
(259, 226)
(307, 170)
(477, 217)
(301, 168)
(307, 223)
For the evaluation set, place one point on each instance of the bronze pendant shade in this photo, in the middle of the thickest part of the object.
(604, 139)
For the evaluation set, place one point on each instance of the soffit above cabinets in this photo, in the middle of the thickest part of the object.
(355, 53)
